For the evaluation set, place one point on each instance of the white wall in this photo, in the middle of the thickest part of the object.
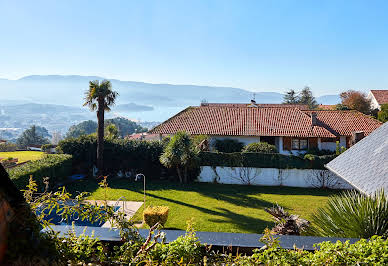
(270, 177)
(373, 101)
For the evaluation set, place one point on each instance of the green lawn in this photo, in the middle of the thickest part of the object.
(214, 207)
(23, 155)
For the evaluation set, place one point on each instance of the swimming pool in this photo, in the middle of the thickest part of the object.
(56, 218)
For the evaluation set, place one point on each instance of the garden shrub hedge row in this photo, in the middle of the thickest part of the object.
(55, 166)
(119, 154)
(263, 160)
(143, 156)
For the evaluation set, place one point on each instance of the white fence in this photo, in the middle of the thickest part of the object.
(272, 177)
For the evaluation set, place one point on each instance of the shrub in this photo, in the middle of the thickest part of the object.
(352, 214)
(228, 145)
(47, 147)
(260, 147)
(7, 146)
(55, 166)
(262, 160)
(119, 154)
(182, 155)
(153, 215)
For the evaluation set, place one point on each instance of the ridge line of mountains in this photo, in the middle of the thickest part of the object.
(55, 101)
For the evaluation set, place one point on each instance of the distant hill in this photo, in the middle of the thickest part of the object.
(43, 96)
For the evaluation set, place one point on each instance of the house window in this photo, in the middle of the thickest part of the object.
(299, 144)
(328, 139)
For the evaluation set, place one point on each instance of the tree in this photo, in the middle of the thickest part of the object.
(42, 131)
(111, 132)
(356, 100)
(83, 128)
(290, 97)
(181, 154)
(30, 137)
(382, 115)
(306, 97)
(124, 126)
(100, 97)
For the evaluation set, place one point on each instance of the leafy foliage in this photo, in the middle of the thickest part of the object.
(291, 97)
(382, 115)
(51, 248)
(156, 214)
(120, 154)
(228, 145)
(31, 137)
(181, 154)
(124, 126)
(55, 166)
(305, 96)
(7, 146)
(260, 147)
(356, 100)
(262, 160)
(353, 215)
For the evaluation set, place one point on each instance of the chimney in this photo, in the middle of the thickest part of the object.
(313, 119)
(357, 136)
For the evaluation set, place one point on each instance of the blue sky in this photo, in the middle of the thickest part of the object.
(255, 45)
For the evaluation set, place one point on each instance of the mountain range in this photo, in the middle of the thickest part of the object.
(60, 98)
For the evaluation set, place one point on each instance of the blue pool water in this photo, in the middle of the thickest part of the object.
(56, 219)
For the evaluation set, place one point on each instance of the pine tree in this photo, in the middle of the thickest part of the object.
(306, 97)
(290, 97)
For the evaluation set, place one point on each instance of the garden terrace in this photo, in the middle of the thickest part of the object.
(213, 207)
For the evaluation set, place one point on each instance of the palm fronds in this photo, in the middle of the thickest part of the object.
(352, 214)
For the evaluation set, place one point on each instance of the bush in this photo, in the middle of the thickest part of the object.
(262, 160)
(55, 166)
(260, 147)
(47, 147)
(153, 215)
(182, 155)
(228, 145)
(352, 214)
(119, 154)
(7, 146)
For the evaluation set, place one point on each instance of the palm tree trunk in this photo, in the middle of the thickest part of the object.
(185, 175)
(100, 137)
(179, 174)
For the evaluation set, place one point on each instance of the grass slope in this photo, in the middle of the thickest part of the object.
(213, 207)
(23, 155)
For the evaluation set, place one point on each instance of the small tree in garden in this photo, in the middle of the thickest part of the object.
(181, 154)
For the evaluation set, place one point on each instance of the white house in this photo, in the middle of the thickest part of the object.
(377, 98)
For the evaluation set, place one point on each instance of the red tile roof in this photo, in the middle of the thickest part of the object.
(266, 121)
(381, 96)
(299, 106)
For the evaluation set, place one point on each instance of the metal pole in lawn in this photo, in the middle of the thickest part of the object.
(144, 186)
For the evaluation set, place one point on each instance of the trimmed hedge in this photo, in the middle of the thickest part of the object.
(152, 215)
(263, 160)
(55, 166)
(119, 154)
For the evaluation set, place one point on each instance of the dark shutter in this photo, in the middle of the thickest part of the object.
(313, 143)
(287, 143)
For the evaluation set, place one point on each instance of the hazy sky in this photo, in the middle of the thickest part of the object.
(255, 45)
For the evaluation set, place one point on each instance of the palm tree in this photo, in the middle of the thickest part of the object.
(100, 97)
